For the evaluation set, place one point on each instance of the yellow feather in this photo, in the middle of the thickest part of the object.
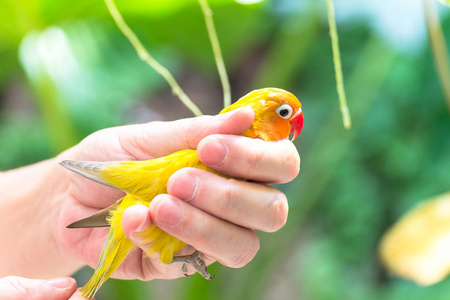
(114, 252)
(143, 180)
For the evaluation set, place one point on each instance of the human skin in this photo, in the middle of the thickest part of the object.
(215, 215)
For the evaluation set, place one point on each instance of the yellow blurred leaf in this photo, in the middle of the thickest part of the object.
(417, 246)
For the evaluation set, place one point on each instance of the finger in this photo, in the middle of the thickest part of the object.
(248, 204)
(254, 159)
(230, 244)
(156, 139)
(77, 296)
(12, 288)
(135, 220)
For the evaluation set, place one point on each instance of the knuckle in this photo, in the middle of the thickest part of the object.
(229, 195)
(16, 288)
(205, 235)
(128, 141)
(192, 144)
(279, 209)
(200, 128)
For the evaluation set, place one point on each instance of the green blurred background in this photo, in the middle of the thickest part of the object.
(67, 71)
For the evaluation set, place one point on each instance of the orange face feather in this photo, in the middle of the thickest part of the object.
(278, 114)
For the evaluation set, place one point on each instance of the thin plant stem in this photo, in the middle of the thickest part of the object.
(346, 119)
(146, 57)
(440, 51)
(208, 14)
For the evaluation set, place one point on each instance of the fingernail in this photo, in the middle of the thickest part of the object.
(61, 282)
(186, 186)
(191, 189)
(169, 212)
(143, 226)
(216, 153)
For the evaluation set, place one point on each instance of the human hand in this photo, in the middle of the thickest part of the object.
(215, 215)
(18, 288)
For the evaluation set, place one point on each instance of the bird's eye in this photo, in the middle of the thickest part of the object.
(285, 111)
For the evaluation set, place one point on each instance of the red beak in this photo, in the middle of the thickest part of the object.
(297, 124)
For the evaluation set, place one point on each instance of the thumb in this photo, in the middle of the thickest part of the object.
(163, 138)
(157, 139)
(12, 288)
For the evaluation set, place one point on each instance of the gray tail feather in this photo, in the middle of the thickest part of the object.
(89, 169)
(99, 219)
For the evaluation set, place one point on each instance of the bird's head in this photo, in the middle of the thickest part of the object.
(278, 114)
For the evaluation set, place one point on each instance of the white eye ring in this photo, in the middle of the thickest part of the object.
(285, 111)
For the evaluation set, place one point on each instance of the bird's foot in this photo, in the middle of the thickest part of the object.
(196, 262)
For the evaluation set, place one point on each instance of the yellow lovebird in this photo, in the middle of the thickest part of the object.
(277, 115)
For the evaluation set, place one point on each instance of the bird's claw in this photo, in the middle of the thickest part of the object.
(196, 262)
